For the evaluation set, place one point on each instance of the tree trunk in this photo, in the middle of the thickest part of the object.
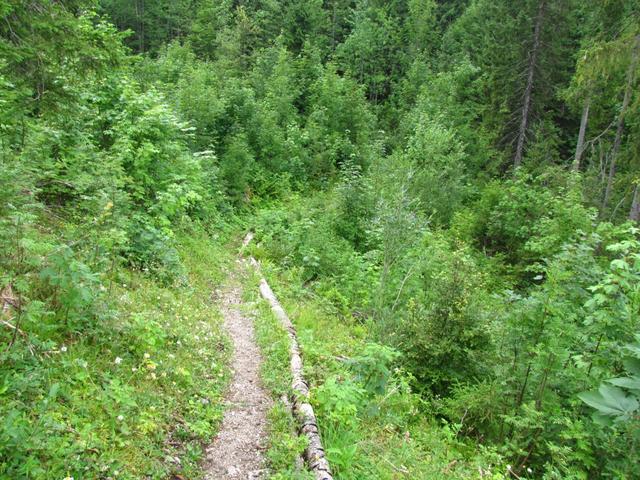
(583, 129)
(528, 91)
(628, 91)
(333, 27)
(302, 409)
(634, 213)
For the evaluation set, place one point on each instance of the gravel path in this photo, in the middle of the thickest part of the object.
(237, 451)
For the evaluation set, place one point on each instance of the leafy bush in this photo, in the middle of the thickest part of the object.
(100, 394)
(437, 161)
(439, 315)
(355, 203)
(74, 290)
(152, 251)
(524, 221)
(372, 367)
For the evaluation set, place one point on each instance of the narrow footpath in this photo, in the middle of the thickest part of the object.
(237, 452)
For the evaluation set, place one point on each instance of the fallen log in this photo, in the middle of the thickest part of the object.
(302, 409)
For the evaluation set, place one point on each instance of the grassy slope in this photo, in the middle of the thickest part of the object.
(284, 445)
(139, 395)
(135, 396)
(389, 435)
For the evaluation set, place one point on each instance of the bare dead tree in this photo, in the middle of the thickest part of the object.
(580, 146)
(628, 91)
(634, 212)
(528, 92)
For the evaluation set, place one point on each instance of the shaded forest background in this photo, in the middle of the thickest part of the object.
(460, 178)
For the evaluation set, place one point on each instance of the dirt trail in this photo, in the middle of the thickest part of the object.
(237, 451)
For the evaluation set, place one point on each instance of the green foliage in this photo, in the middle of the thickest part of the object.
(50, 48)
(302, 238)
(501, 362)
(484, 34)
(525, 220)
(152, 251)
(151, 23)
(436, 160)
(355, 205)
(339, 126)
(368, 53)
(373, 367)
(102, 396)
(612, 310)
(237, 164)
(553, 343)
(611, 401)
(437, 315)
(454, 100)
(459, 308)
(98, 176)
(371, 422)
(74, 289)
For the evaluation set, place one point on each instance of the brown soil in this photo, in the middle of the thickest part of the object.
(237, 451)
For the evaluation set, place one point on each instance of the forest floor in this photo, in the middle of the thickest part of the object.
(237, 452)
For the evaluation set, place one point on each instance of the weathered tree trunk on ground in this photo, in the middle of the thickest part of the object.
(302, 409)
(617, 142)
(584, 120)
(528, 91)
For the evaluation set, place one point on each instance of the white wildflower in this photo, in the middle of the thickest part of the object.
(120, 418)
(117, 361)
(63, 348)
(146, 355)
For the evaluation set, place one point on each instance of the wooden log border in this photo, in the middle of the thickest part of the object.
(301, 408)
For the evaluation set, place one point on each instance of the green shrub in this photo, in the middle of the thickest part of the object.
(438, 316)
(525, 220)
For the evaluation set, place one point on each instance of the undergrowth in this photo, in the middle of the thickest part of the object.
(134, 396)
(285, 447)
(372, 425)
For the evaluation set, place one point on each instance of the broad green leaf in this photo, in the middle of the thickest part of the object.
(632, 365)
(597, 401)
(632, 383)
(618, 399)
(610, 400)
(601, 419)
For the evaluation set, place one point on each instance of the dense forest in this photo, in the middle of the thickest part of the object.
(446, 193)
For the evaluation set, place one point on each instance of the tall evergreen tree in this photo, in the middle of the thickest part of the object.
(521, 78)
